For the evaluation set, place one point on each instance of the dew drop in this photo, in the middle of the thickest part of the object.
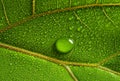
(10, 64)
(64, 45)
(89, 49)
(43, 42)
(45, 32)
(81, 42)
(83, 30)
(52, 36)
(90, 42)
(11, 72)
(77, 21)
(70, 18)
(102, 51)
(71, 28)
(75, 3)
(89, 73)
(78, 29)
(71, 35)
(78, 11)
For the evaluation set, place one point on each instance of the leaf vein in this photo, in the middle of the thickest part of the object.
(109, 58)
(5, 13)
(70, 72)
(33, 7)
(54, 11)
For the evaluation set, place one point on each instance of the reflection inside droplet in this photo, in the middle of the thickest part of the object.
(64, 45)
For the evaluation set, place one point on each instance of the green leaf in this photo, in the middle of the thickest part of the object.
(16, 66)
(33, 27)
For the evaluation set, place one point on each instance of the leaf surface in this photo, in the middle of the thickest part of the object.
(33, 27)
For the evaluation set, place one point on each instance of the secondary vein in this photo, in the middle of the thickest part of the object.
(55, 11)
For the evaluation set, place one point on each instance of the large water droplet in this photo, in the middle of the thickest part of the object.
(64, 45)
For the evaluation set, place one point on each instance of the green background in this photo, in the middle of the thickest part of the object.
(93, 25)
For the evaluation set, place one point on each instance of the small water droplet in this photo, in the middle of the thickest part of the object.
(2, 18)
(79, 11)
(89, 49)
(52, 36)
(82, 30)
(81, 42)
(102, 51)
(77, 21)
(45, 36)
(10, 72)
(19, 17)
(75, 3)
(70, 18)
(71, 36)
(43, 42)
(89, 73)
(85, 35)
(90, 42)
(92, 38)
(45, 32)
(64, 45)
(78, 29)
(71, 28)
(10, 64)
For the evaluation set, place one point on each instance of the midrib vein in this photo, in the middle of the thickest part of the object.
(46, 57)
(54, 60)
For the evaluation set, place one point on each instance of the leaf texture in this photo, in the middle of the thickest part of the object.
(32, 27)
